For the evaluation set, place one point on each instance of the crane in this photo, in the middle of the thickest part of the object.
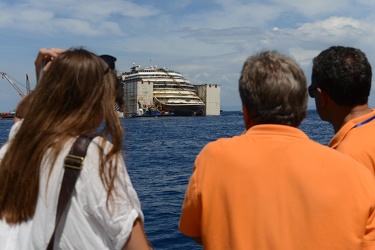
(4, 75)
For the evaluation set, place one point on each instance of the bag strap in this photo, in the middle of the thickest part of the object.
(73, 164)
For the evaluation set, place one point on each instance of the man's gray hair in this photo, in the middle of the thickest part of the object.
(273, 89)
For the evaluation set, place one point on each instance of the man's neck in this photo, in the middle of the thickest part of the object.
(348, 114)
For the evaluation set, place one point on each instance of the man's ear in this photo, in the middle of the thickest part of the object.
(323, 98)
(248, 120)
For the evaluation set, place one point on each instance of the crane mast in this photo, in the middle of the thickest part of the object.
(4, 75)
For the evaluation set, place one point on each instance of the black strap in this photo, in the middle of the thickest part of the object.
(73, 165)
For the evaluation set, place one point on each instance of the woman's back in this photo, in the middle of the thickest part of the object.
(89, 224)
(75, 96)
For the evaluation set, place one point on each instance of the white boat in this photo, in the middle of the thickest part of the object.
(172, 92)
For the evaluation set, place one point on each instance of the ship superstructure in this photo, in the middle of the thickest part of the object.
(171, 92)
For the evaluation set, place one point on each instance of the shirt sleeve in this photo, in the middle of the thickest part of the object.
(369, 237)
(191, 214)
(118, 217)
(368, 242)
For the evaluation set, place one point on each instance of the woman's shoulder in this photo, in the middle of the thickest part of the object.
(99, 143)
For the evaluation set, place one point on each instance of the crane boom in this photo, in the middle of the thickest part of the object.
(27, 84)
(13, 84)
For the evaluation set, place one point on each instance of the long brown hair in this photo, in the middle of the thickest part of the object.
(73, 98)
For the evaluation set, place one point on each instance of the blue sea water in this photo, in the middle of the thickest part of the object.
(159, 154)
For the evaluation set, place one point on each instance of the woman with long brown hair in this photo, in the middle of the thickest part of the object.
(75, 96)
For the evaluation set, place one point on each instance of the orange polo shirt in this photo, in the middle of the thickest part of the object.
(358, 142)
(274, 188)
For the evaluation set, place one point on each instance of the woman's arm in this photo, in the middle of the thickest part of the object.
(137, 239)
(44, 59)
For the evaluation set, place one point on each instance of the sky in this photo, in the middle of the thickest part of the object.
(206, 40)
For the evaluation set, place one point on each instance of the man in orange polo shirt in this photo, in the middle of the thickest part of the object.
(272, 187)
(341, 84)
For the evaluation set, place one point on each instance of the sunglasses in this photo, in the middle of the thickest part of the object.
(110, 60)
(311, 90)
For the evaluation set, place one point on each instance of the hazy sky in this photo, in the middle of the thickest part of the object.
(206, 40)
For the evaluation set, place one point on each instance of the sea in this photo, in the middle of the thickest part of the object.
(159, 154)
